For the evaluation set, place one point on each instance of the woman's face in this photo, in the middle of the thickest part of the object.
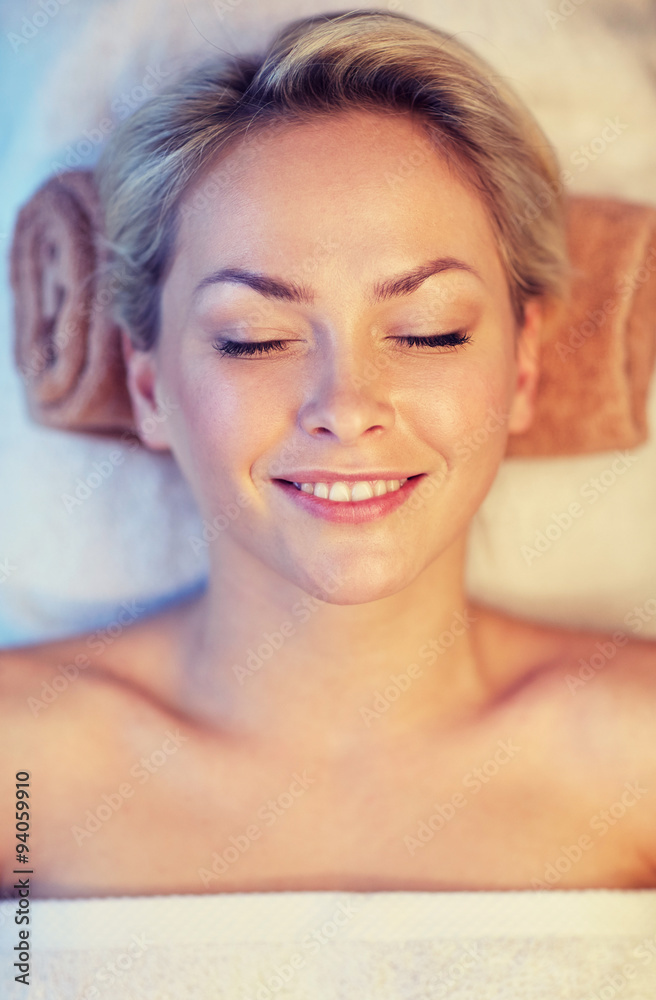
(334, 213)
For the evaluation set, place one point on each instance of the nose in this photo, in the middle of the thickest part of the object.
(348, 399)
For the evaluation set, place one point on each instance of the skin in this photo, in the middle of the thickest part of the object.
(317, 206)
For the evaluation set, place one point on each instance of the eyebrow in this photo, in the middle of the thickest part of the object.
(290, 291)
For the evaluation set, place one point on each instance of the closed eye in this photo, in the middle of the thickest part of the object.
(236, 349)
(454, 339)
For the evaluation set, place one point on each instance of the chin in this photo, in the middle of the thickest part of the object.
(365, 594)
(354, 584)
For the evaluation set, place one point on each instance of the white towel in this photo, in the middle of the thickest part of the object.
(592, 944)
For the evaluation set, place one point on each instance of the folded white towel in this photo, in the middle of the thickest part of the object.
(553, 945)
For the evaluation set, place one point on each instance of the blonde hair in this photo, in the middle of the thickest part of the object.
(361, 59)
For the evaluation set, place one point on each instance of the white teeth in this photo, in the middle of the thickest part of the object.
(359, 491)
(338, 491)
(343, 492)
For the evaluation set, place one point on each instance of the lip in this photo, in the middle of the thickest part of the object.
(350, 511)
(325, 476)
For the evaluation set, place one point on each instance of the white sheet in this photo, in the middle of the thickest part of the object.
(553, 945)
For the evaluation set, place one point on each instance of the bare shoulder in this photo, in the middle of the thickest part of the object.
(83, 674)
(516, 650)
(18, 671)
(34, 676)
(600, 686)
(597, 691)
(33, 679)
(137, 651)
(35, 737)
(67, 708)
(80, 691)
(610, 680)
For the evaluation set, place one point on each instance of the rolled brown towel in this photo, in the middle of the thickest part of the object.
(66, 344)
(597, 350)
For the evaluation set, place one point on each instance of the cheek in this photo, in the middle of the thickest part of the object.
(466, 408)
(221, 427)
(469, 422)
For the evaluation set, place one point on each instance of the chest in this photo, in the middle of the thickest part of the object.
(163, 810)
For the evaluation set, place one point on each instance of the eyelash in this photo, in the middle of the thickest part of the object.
(236, 349)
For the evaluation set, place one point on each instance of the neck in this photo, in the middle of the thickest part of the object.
(268, 662)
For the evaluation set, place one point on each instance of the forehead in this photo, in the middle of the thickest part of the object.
(367, 184)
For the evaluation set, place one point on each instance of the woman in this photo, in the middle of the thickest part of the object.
(332, 275)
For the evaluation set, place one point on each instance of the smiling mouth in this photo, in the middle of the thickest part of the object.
(339, 491)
